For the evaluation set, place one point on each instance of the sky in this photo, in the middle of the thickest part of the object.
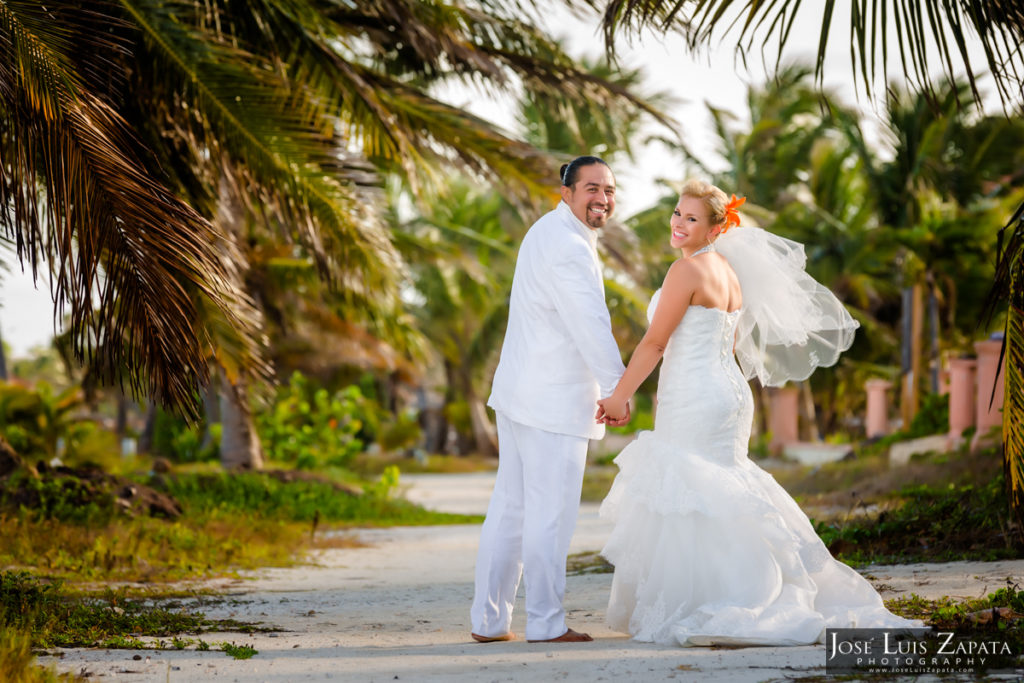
(712, 76)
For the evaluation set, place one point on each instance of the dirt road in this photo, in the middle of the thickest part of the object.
(397, 610)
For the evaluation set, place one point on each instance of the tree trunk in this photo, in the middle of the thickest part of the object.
(485, 436)
(484, 433)
(934, 361)
(121, 421)
(240, 447)
(912, 329)
(432, 422)
(146, 438)
(759, 426)
(808, 413)
(211, 409)
(456, 442)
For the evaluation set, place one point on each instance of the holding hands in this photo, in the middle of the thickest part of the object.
(613, 411)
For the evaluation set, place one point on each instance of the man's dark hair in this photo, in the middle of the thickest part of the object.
(570, 172)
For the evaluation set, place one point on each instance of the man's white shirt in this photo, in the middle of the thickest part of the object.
(559, 356)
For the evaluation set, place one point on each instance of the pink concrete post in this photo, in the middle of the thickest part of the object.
(988, 368)
(961, 398)
(783, 422)
(877, 418)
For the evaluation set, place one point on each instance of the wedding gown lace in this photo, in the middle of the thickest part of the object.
(707, 547)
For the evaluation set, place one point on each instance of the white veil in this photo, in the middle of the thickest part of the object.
(789, 324)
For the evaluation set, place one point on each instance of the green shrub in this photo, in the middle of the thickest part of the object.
(311, 428)
(65, 499)
(307, 427)
(40, 423)
(175, 439)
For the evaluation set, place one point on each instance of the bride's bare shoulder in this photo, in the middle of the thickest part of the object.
(683, 265)
(681, 271)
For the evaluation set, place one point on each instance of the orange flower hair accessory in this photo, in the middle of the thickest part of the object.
(732, 217)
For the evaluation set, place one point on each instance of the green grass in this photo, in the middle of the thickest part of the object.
(978, 619)
(57, 618)
(947, 613)
(239, 651)
(38, 613)
(933, 524)
(149, 550)
(374, 465)
(253, 493)
(230, 522)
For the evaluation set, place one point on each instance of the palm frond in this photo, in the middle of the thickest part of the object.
(920, 26)
(374, 63)
(395, 121)
(112, 236)
(1008, 289)
(1013, 402)
(271, 133)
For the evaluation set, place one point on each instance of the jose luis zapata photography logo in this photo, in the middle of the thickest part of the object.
(914, 650)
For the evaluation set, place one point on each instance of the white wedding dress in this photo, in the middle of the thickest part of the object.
(707, 547)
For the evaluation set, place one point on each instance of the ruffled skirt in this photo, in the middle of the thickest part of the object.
(718, 553)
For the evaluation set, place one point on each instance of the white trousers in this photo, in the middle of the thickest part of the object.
(530, 521)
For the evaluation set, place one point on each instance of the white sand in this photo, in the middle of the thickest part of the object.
(398, 610)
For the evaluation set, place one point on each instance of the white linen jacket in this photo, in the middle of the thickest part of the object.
(559, 356)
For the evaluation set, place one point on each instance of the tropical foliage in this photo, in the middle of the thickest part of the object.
(164, 134)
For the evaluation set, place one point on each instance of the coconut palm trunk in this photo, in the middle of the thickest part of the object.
(484, 434)
(240, 447)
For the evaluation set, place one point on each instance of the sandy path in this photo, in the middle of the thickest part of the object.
(398, 610)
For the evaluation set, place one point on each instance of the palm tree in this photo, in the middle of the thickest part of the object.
(161, 132)
(461, 254)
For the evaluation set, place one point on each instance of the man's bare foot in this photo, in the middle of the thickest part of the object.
(569, 636)
(493, 639)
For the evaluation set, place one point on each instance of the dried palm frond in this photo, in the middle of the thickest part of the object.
(122, 249)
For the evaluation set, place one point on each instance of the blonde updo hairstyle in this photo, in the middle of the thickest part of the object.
(714, 199)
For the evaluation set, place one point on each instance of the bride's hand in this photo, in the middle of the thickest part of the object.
(612, 411)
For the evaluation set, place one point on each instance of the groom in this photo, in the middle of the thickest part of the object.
(558, 358)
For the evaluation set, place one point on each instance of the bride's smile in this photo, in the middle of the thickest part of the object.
(691, 225)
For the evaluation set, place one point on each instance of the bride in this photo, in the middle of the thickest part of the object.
(707, 547)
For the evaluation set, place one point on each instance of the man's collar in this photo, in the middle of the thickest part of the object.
(580, 226)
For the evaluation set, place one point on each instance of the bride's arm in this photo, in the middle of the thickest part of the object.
(676, 293)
